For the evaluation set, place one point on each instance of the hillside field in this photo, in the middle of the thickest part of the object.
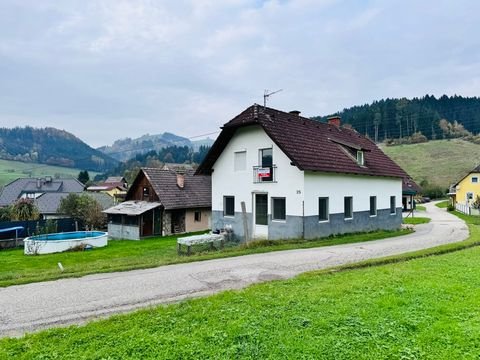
(440, 162)
(11, 170)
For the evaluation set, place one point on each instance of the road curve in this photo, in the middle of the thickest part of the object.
(31, 307)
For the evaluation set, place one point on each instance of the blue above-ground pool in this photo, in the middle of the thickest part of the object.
(59, 242)
(68, 235)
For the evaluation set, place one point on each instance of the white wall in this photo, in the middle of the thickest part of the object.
(226, 181)
(337, 186)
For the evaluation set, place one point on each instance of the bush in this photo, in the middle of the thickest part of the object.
(85, 209)
(434, 192)
(24, 209)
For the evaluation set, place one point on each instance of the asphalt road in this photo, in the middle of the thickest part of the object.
(31, 307)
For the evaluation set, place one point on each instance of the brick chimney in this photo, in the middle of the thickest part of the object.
(181, 181)
(334, 120)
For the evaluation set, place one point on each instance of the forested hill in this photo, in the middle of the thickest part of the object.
(400, 118)
(51, 146)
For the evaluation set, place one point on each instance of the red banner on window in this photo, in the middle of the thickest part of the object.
(264, 172)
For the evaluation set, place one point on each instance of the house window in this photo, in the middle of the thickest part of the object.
(393, 208)
(228, 206)
(474, 179)
(373, 206)
(348, 207)
(240, 161)
(360, 158)
(266, 162)
(146, 193)
(469, 196)
(323, 209)
(197, 216)
(279, 209)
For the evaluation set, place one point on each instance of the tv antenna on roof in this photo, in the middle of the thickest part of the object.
(267, 94)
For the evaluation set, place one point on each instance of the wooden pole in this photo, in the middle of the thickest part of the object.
(245, 222)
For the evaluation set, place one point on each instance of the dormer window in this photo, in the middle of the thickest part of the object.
(360, 158)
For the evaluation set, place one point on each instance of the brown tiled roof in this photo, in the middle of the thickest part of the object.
(309, 144)
(410, 186)
(196, 193)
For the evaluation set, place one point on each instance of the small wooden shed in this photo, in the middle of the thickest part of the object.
(162, 202)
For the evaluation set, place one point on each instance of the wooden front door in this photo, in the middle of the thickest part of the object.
(147, 223)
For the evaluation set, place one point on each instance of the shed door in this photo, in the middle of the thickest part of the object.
(147, 223)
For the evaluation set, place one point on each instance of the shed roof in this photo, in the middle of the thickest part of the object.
(132, 207)
(310, 145)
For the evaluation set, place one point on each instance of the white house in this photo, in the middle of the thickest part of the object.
(299, 178)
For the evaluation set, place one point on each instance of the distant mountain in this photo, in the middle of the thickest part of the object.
(203, 142)
(401, 118)
(53, 147)
(125, 149)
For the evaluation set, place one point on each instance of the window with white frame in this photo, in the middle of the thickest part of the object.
(240, 161)
(393, 208)
(360, 158)
(279, 209)
(323, 209)
(474, 179)
(348, 207)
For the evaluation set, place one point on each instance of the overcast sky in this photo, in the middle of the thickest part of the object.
(105, 70)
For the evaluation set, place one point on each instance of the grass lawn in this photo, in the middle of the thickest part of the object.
(442, 204)
(17, 268)
(416, 220)
(426, 308)
(420, 208)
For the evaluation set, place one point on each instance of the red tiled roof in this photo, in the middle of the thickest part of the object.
(309, 144)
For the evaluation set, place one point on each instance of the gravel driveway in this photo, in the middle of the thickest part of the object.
(31, 307)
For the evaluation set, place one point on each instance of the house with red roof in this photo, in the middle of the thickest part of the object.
(299, 178)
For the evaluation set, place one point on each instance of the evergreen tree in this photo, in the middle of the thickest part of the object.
(399, 118)
(83, 177)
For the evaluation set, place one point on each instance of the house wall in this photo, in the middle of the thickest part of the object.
(227, 181)
(166, 223)
(337, 186)
(301, 191)
(192, 225)
(126, 232)
(465, 186)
